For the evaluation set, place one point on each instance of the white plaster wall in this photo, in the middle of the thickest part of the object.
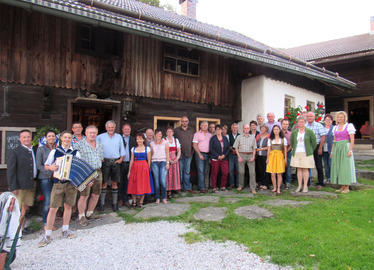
(252, 99)
(263, 95)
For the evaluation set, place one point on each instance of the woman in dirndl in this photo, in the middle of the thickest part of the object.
(173, 178)
(140, 177)
(343, 164)
(276, 157)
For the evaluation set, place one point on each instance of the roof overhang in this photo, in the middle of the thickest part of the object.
(96, 17)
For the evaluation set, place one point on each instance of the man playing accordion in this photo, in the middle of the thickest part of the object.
(62, 191)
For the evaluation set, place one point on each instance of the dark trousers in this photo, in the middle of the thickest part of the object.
(318, 161)
(264, 177)
(124, 181)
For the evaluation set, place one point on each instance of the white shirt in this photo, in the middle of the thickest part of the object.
(51, 156)
(300, 147)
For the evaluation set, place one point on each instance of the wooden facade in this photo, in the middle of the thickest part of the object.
(40, 49)
(42, 74)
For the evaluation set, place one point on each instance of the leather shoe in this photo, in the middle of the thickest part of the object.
(191, 191)
(115, 207)
(203, 191)
(120, 203)
(26, 231)
(102, 208)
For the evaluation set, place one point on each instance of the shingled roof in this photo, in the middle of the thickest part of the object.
(338, 47)
(142, 19)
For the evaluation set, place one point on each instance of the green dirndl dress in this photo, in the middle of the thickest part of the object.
(343, 171)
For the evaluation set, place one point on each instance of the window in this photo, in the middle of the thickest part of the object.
(311, 105)
(181, 60)
(288, 103)
(162, 122)
(98, 41)
(210, 120)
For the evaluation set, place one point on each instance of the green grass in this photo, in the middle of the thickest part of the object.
(326, 234)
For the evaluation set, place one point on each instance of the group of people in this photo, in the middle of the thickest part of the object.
(136, 167)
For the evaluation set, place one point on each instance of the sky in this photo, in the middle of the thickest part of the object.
(287, 23)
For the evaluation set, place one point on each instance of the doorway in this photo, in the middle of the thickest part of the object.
(93, 112)
(359, 112)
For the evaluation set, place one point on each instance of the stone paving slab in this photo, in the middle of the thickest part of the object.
(201, 199)
(131, 212)
(211, 214)
(232, 200)
(233, 193)
(163, 210)
(280, 202)
(315, 194)
(253, 212)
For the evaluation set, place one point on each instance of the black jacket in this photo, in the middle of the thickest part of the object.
(215, 147)
(20, 167)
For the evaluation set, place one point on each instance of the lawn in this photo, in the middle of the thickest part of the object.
(326, 234)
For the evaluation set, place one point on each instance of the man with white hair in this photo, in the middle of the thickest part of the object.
(92, 152)
(233, 157)
(271, 122)
(200, 144)
(320, 132)
(260, 121)
(114, 151)
(245, 147)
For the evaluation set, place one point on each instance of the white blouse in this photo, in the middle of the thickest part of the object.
(351, 128)
(147, 147)
(274, 142)
(173, 143)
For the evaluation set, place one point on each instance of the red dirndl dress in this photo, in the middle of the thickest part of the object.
(140, 180)
(173, 179)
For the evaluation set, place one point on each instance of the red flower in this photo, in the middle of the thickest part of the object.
(320, 106)
(286, 117)
(298, 114)
(319, 118)
(294, 122)
(288, 113)
(306, 107)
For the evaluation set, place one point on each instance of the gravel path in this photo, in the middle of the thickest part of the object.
(135, 246)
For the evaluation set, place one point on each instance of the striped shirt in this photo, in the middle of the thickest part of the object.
(90, 155)
(318, 129)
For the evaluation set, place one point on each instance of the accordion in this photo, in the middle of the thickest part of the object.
(75, 170)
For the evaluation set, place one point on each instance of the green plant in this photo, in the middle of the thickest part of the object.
(40, 133)
(295, 112)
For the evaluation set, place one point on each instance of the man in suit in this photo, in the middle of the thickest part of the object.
(22, 172)
(129, 142)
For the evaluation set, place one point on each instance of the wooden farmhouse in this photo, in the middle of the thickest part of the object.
(96, 60)
(353, 58)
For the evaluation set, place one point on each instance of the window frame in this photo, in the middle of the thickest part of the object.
(176, 57)
(98, 37)
(311, 106)
(177, 120)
